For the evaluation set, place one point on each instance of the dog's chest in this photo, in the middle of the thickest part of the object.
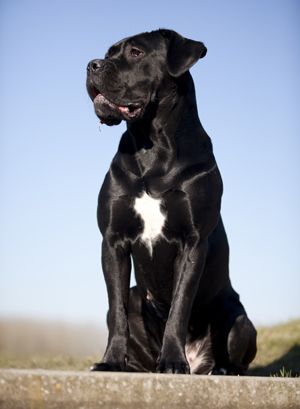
(150, 211)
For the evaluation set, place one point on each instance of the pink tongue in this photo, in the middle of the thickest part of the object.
(124, 110)
(102, 100)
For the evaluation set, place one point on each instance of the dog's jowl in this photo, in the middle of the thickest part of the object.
(159, 207)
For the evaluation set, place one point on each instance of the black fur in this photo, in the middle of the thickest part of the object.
(183, 316)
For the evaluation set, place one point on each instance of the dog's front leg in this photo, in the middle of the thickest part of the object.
(188, 270)
(116, 267)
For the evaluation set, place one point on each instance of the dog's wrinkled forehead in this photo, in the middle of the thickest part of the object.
(116, 48)
(162, 46)
(145, 42)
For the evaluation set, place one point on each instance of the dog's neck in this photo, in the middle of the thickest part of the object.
(170, 131)
(173, 105)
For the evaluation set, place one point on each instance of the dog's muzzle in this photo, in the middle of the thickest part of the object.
(107, 109)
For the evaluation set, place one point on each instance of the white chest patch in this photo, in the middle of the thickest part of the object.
(149, 210)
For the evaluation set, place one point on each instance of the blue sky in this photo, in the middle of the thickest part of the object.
(53, 156)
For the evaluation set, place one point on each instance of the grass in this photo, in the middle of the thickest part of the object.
(38, 361)
(284, 373)
(65, 347)
(29, 343)
(278, 350)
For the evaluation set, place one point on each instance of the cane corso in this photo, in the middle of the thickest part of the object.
(159, 208)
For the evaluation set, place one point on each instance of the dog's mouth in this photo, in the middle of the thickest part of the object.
(111, 113)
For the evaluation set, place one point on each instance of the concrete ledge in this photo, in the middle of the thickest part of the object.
(38, 389)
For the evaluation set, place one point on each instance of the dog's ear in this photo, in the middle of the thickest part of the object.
(183, 53)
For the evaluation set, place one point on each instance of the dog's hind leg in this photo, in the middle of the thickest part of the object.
(241, 345)
(234, 338)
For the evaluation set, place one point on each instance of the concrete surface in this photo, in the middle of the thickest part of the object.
(38, 389)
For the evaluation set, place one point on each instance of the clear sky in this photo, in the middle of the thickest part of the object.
(53, 156)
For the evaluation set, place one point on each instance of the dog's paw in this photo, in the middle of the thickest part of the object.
(180, 367)
(108, 367)
(218, 371)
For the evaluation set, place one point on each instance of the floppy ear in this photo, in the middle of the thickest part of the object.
(182, 52)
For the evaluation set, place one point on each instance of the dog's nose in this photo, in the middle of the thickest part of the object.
(95, 65)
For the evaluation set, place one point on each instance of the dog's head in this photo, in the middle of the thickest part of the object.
(126, 81)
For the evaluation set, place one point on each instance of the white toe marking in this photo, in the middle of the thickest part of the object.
(149, 210)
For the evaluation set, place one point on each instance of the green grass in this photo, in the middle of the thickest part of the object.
(284, 373)
(278, 350)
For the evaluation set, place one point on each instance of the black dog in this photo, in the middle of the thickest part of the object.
(159, 206)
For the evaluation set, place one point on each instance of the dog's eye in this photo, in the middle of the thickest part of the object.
(135, 52)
